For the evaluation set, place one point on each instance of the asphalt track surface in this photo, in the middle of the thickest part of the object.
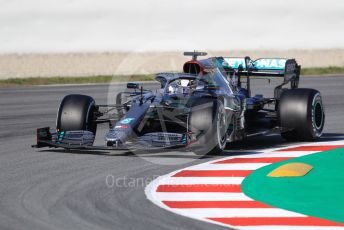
(55, 189)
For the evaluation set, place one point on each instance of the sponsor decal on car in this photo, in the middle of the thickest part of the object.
(126, 120)
(234, 62)
(263, 63)
(269, 63)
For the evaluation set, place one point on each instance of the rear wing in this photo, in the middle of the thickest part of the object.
(288, 69)
(265, 67)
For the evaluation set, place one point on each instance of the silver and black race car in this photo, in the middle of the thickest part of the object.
(201, 108)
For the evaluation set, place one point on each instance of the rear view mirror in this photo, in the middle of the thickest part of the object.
(132, 85)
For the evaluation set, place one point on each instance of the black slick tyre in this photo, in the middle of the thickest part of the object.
(301, 113)
(208, 117)
(76, 112)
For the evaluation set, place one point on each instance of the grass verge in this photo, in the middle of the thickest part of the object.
(73, 80)
(126, 78)
(322, 70)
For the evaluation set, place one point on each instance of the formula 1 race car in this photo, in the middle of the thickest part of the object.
(201, 108)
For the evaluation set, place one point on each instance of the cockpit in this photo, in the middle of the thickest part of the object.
(184, 86)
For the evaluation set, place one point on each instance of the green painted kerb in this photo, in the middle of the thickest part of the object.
(320, 193)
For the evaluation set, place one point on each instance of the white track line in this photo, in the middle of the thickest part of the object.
(279, 154)
(237, 212)
(203, 180)
(291, 228)
(196, 196)
(247, 166)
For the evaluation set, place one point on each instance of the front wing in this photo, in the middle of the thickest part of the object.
(83, 140)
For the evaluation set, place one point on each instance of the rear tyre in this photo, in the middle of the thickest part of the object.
(301, 111)
(76, 112)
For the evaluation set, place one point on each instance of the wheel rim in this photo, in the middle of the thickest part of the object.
(318, 115)
(221, 130)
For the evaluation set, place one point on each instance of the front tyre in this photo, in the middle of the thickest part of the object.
(76, 112)
(302, 112)
(220, 130)
(208, 117)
